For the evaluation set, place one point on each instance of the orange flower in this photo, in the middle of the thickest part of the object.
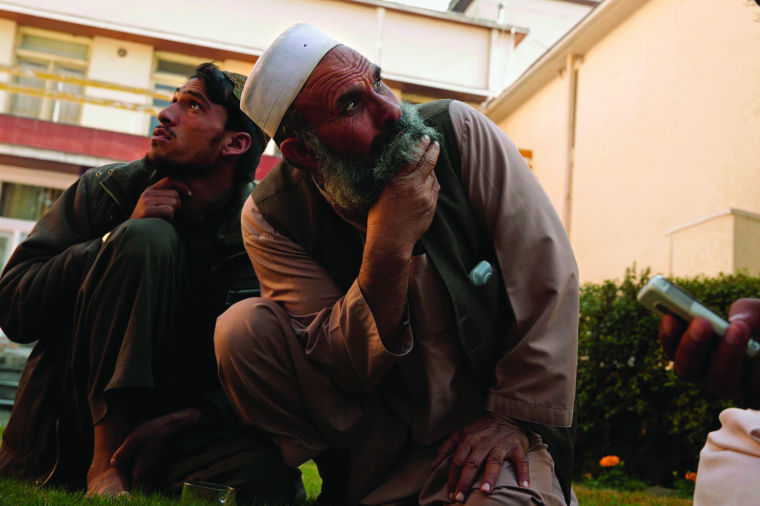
(610, 461)
(691, 477)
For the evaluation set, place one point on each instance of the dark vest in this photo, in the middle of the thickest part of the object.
(455, 243)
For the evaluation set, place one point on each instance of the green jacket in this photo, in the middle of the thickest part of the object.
(38, 290)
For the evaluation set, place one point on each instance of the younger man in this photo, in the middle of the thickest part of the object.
(120, 283)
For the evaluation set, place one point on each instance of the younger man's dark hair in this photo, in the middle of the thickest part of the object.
(220, 90)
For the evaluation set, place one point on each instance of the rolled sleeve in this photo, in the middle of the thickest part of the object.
(535, 380)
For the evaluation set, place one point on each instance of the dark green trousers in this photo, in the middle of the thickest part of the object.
(143, 330)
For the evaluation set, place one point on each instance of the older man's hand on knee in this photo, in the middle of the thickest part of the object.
(483, 445)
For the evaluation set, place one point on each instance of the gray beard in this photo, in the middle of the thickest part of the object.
(353, 185)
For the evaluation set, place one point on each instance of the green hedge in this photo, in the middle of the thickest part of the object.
(629, 401)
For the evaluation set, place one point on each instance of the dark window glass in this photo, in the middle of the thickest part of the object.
(172, 67)
(26, 202)
(54, 46)
(160, 104)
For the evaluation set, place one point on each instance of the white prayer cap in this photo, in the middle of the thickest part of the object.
(281, 72)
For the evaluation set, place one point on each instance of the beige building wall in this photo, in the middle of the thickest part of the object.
(450, 63)
(747, 237)
(664, 133)
(540, 127)
(131, 69)
(668, 116)
(700, 247)
(413, 45)
(237, 66)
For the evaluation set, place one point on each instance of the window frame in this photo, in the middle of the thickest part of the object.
(49, 107)
(167, 79)
(19, 229)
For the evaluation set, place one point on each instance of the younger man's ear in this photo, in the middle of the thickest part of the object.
(297, 153)
(237, 143)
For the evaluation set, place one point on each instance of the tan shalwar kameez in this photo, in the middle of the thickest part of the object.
(317, 373)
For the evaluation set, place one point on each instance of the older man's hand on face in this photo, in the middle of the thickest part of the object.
(406, 206)
(703, 358)
(486, 442)
(395, 222)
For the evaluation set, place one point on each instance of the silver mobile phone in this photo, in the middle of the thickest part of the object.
(664, 297)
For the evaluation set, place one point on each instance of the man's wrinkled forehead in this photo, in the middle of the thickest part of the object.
(338, 71)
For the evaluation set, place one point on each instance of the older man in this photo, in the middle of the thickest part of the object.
(120, 283)
(422, 311)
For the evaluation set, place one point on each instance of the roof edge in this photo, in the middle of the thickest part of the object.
(454, 17)
(599, 22)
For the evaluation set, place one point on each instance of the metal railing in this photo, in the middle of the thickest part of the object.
(82, 98)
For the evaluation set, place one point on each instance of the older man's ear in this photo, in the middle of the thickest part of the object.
(298, 154)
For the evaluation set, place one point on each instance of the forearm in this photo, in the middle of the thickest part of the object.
(384, 279)
(395, 222)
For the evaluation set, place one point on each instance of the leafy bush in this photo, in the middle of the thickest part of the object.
(611, 475)
(629, 401)
(684, 485)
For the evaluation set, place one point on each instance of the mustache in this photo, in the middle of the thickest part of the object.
(168, 131)
(391, 131)
(353, 185)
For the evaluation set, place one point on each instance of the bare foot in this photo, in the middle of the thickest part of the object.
(109, 483)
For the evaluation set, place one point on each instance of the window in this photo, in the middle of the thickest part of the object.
(46, 55)
(170, 71)
(25, 195)
(26, 202)
(21, 205)
(5, 247)
(12, 232)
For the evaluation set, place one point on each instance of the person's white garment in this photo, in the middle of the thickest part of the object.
(729, 463)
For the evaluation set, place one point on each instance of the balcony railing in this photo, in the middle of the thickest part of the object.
(138, 106)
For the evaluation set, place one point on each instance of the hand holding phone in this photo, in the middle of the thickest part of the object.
(662, 297)
(727, 365)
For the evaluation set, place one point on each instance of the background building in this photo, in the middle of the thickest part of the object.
(548, 21)
(81, 81)
(640, 122)
(643, 124)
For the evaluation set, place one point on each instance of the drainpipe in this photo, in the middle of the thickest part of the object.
(572, 63)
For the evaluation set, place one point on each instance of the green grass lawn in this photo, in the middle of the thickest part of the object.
(14, 493)
(311, 480)
(592, 497)
(17, 493)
